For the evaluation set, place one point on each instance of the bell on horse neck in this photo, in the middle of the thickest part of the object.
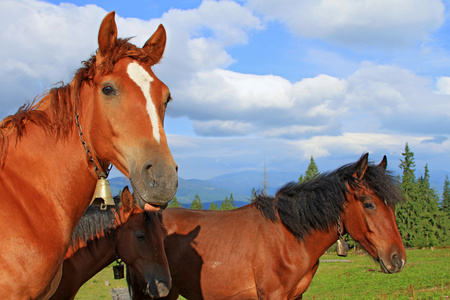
(342, 247)
(102, 194)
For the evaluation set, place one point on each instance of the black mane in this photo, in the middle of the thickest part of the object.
(94, 223)
(317, 204)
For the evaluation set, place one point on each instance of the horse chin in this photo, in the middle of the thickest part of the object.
(145, 200)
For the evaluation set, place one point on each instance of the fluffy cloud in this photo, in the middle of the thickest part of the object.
(381, 23)
(46, 43)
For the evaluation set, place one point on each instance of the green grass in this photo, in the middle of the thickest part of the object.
(97, 288)
(426, 276)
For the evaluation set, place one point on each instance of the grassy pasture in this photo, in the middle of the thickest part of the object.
(426, 276)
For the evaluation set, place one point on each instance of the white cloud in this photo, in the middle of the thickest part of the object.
(443, 85)
(222, 128)
(382, 23)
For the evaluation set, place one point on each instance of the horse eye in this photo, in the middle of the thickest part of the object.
(369, 205)
(108, 91)
(139, 235)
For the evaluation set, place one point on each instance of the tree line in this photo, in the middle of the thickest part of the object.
(226, 204)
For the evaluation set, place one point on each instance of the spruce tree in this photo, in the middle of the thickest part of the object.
(445, 206)
(196, 203)
(445, 209)
(174, 203)
(407, 212)
(311, 172)
(213, 206)
(227, 204)
(429, 229)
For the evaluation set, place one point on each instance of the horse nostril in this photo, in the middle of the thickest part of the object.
(162, 288)
(176, 168)
(396, 261)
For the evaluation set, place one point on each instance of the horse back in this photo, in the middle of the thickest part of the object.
(217, 254)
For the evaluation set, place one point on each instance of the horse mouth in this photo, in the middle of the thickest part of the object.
(383, 267)
(152, 207)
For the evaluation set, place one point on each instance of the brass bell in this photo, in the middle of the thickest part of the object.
(342, 247)
(102, 194)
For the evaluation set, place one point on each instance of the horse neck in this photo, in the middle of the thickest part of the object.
(312, 246)
(82, 264)
(49, 175)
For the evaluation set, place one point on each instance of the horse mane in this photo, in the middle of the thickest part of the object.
(96, 223)
(317, 203)
(62, 103)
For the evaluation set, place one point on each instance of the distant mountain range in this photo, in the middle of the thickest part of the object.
(239, 184)
(217, 188)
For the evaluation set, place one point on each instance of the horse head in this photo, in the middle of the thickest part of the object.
(140, 242)
(121, 109)
(369, 214)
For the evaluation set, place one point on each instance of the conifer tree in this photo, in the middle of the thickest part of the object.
(213, 206)
(311, 172)
(174, 203)
(196, 203)
(407, 212)
(445, 206)
(227, 204)
(445, 209)
(429, 228)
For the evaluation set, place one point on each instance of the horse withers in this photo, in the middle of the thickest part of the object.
(53, 152)
(270, 249)
(122, 234)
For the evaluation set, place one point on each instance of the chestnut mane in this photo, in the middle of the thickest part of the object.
(62, 103)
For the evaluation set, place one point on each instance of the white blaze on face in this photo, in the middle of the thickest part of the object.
(141, 77)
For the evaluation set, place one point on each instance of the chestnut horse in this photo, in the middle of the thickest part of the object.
(127, 233)
(53, 152)
(270, 249)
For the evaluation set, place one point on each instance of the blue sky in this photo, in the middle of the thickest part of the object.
(262, 80)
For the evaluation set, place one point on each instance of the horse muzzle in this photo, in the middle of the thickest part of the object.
(393, 264)
(157, 288)
(155, 183)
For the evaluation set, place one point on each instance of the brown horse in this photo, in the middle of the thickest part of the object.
(270, 249)
(127, 233)
(115, 105)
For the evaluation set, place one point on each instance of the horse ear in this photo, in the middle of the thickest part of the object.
(361, 168)
(383, 162)
(127, 199)
(156, 43)
(107, 37)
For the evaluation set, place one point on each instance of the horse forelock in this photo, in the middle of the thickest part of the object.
(317, 204)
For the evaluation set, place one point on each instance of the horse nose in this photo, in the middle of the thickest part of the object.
(163, 289)
(158, 288)
(150, 171)
(397, 263)
(160, 178)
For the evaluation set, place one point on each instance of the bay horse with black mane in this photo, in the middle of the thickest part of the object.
(125, 233)
(53, 152)
(270, 249)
